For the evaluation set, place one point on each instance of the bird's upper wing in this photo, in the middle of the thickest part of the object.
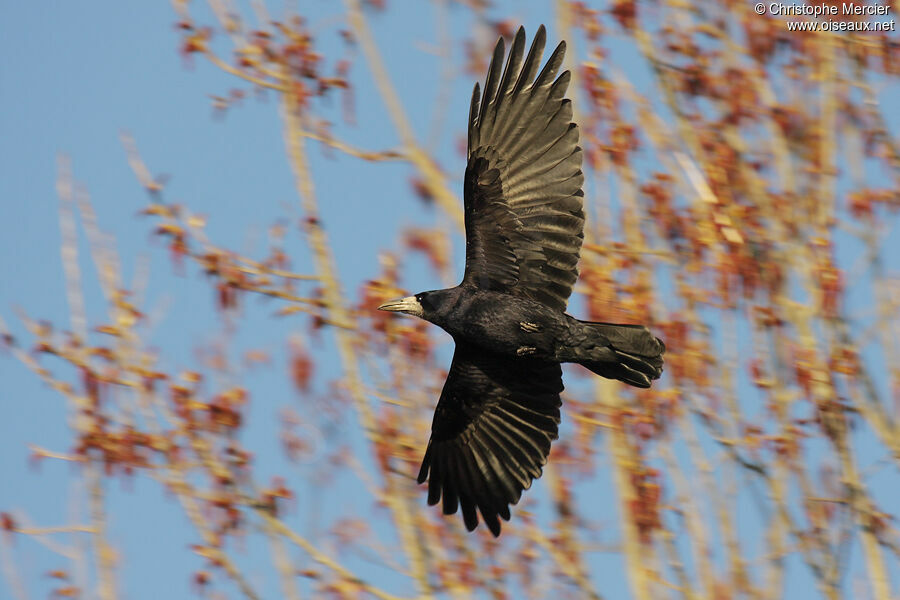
(491, 433)
(523, 199)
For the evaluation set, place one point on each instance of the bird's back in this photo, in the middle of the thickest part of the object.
(506, 324)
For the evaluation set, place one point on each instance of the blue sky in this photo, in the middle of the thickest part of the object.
(73, 76)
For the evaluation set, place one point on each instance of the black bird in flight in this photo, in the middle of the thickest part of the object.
(499, 409)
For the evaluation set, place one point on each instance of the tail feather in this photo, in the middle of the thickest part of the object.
(631, 354)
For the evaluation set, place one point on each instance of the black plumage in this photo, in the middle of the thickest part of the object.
(499, 410)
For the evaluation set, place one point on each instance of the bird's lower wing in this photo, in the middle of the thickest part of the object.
(491, 434)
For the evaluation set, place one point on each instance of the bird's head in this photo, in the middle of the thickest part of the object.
(425, 305)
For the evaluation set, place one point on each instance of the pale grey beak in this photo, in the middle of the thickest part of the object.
(408, 305)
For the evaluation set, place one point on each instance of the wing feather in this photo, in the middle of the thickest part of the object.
(449, 485)
(511, 70)
(474, 107)
(523, 201)
(491, 434)
(488, 101)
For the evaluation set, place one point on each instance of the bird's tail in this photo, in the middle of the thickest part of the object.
(631, 354)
